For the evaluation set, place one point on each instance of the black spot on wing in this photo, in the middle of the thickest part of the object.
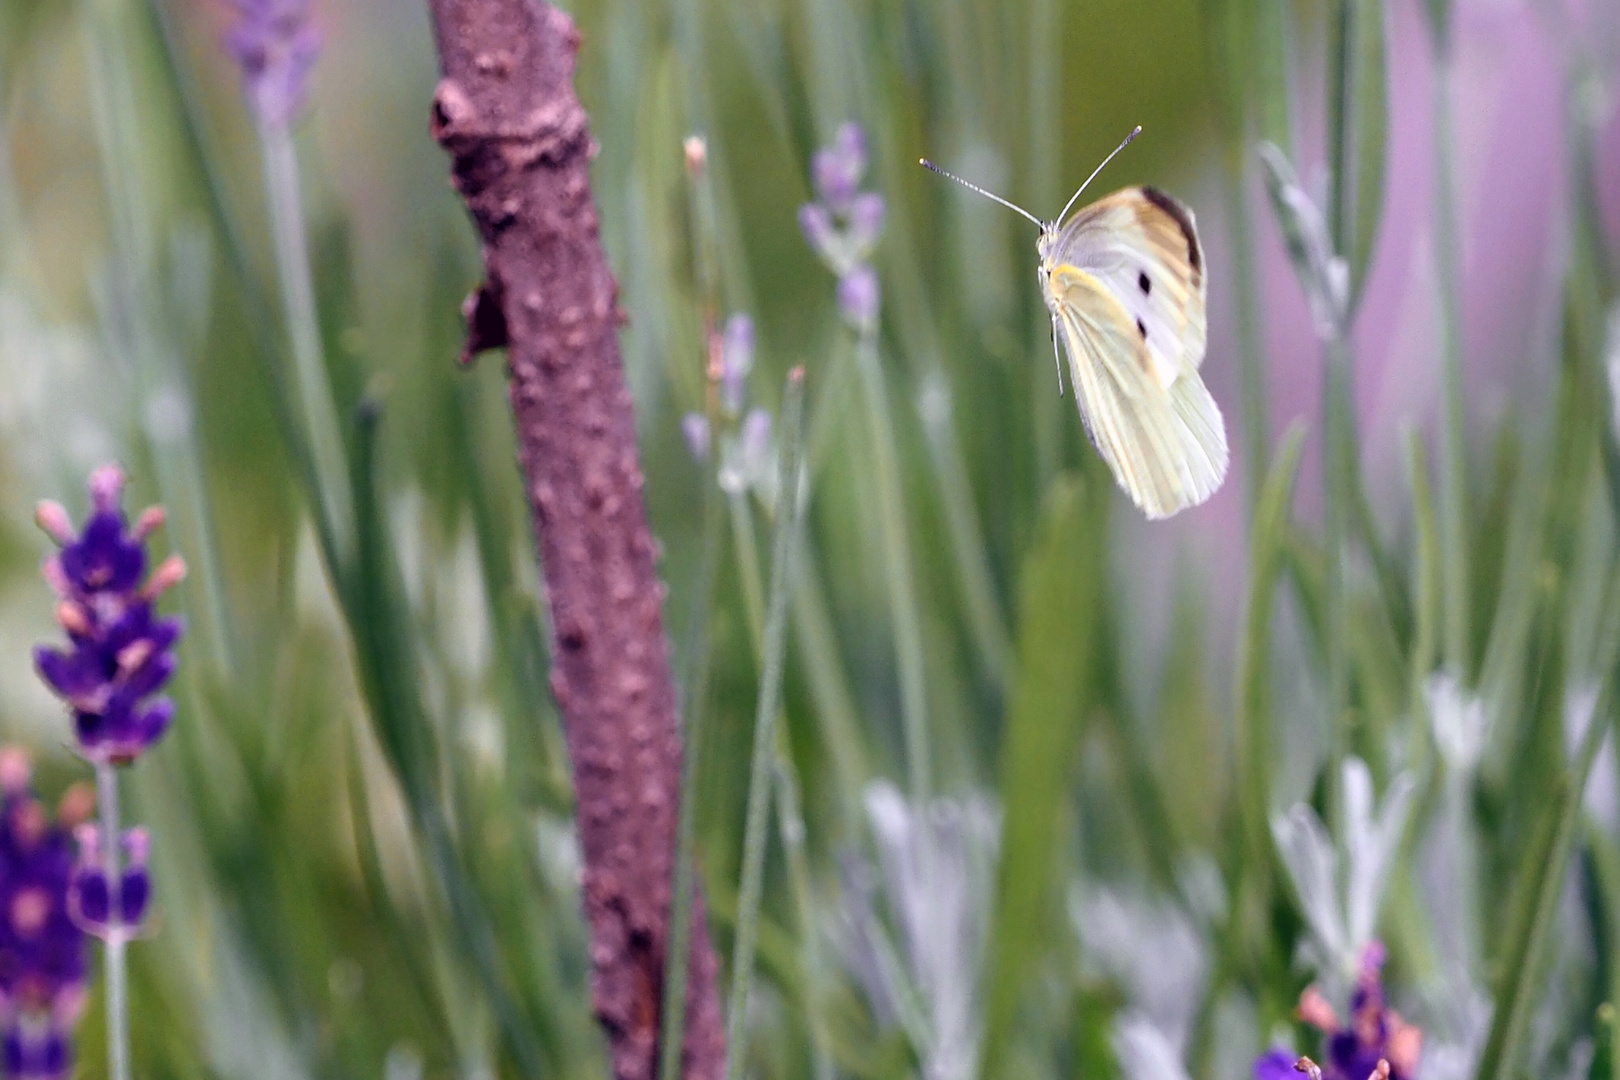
(1144, 283)
(1141, 328)
(1183, 218)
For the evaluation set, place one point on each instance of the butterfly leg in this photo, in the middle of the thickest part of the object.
(1055, 357)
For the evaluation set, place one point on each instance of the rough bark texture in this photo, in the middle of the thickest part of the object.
(505, 109)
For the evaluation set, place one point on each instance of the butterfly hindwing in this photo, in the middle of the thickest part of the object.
(1164, 441)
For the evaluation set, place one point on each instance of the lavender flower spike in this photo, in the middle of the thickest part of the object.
(120, 652)
(1373, 1044)
(275, 45)
(42, 958)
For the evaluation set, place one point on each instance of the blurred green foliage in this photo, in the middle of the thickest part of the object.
(362, 847)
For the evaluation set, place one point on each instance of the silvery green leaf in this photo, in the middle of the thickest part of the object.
(937, 865)
(1372, 838)
(1307, 854)
(1323, 275)
(1144, 1052)
(1152, 949)
(1458, 720)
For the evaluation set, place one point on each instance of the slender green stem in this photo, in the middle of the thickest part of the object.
(1254, 733)
(1454, 484)
(1528, 934)
(1045, 150)
(829, 684)
(695, 689)
(751, 884)
(1338, 499)
(1341, 124)
(988, 630)
(1251, 355)
(332, 494)
(790, 820)
(897, 567)
(117, 991)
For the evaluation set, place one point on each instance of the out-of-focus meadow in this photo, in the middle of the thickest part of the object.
(1051, 796)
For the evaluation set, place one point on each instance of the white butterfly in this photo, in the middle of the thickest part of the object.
(1124, 281)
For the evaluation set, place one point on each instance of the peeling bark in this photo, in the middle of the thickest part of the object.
(505, 110)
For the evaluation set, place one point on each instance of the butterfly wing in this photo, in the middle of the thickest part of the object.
(1142, 245)
(1163, 439)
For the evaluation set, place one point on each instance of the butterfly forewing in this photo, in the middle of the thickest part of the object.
(1134, 351)
(1142, 245)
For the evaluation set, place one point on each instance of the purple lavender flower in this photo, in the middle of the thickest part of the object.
(858, 297)
(844, 226)
(1375, 1042)
(90, 897)
(275, 45)
(1275, 1065)
(736, 361)
(695, 429)
(837, 169)
(816, 222)
(42, 955)
(120, 652)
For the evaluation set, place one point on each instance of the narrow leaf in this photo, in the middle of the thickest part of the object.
(1057, 599)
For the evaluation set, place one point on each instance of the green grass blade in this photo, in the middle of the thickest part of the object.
(752, 880)
(1541, 883)
(1268, 538)
(1059, 595)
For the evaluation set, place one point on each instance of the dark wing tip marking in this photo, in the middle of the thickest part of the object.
(1141, 328)
(1183, 218)
(1144, 283)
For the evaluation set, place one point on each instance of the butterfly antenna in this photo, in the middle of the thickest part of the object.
(931, 167)
(1134, 133)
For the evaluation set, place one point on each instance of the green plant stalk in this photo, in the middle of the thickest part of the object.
(790, 819)
(985, 625)
(114, 945)
(1427, 571)
(1251, 350)
(1338, 500)
(332, 487)
(135, 301)
(227, 223)
(829, 685)
(1045, 153)
(1341, 126)
(1060, 622)
(1544, 865)
(389, 684)
(752, 880)
(1454, 492)
(897, 568)
(694, 685)
(1254, 729)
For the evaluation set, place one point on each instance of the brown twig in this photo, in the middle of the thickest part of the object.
(505, 109)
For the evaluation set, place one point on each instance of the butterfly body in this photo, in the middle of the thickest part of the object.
(1124, 281)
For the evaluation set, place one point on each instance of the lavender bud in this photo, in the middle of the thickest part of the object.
(756, 438)
(816, 223)
(135, 887)
(837, 169)
(866, 216)
(275, 46)
(695, 427)
(858, 297)
(736, 361)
